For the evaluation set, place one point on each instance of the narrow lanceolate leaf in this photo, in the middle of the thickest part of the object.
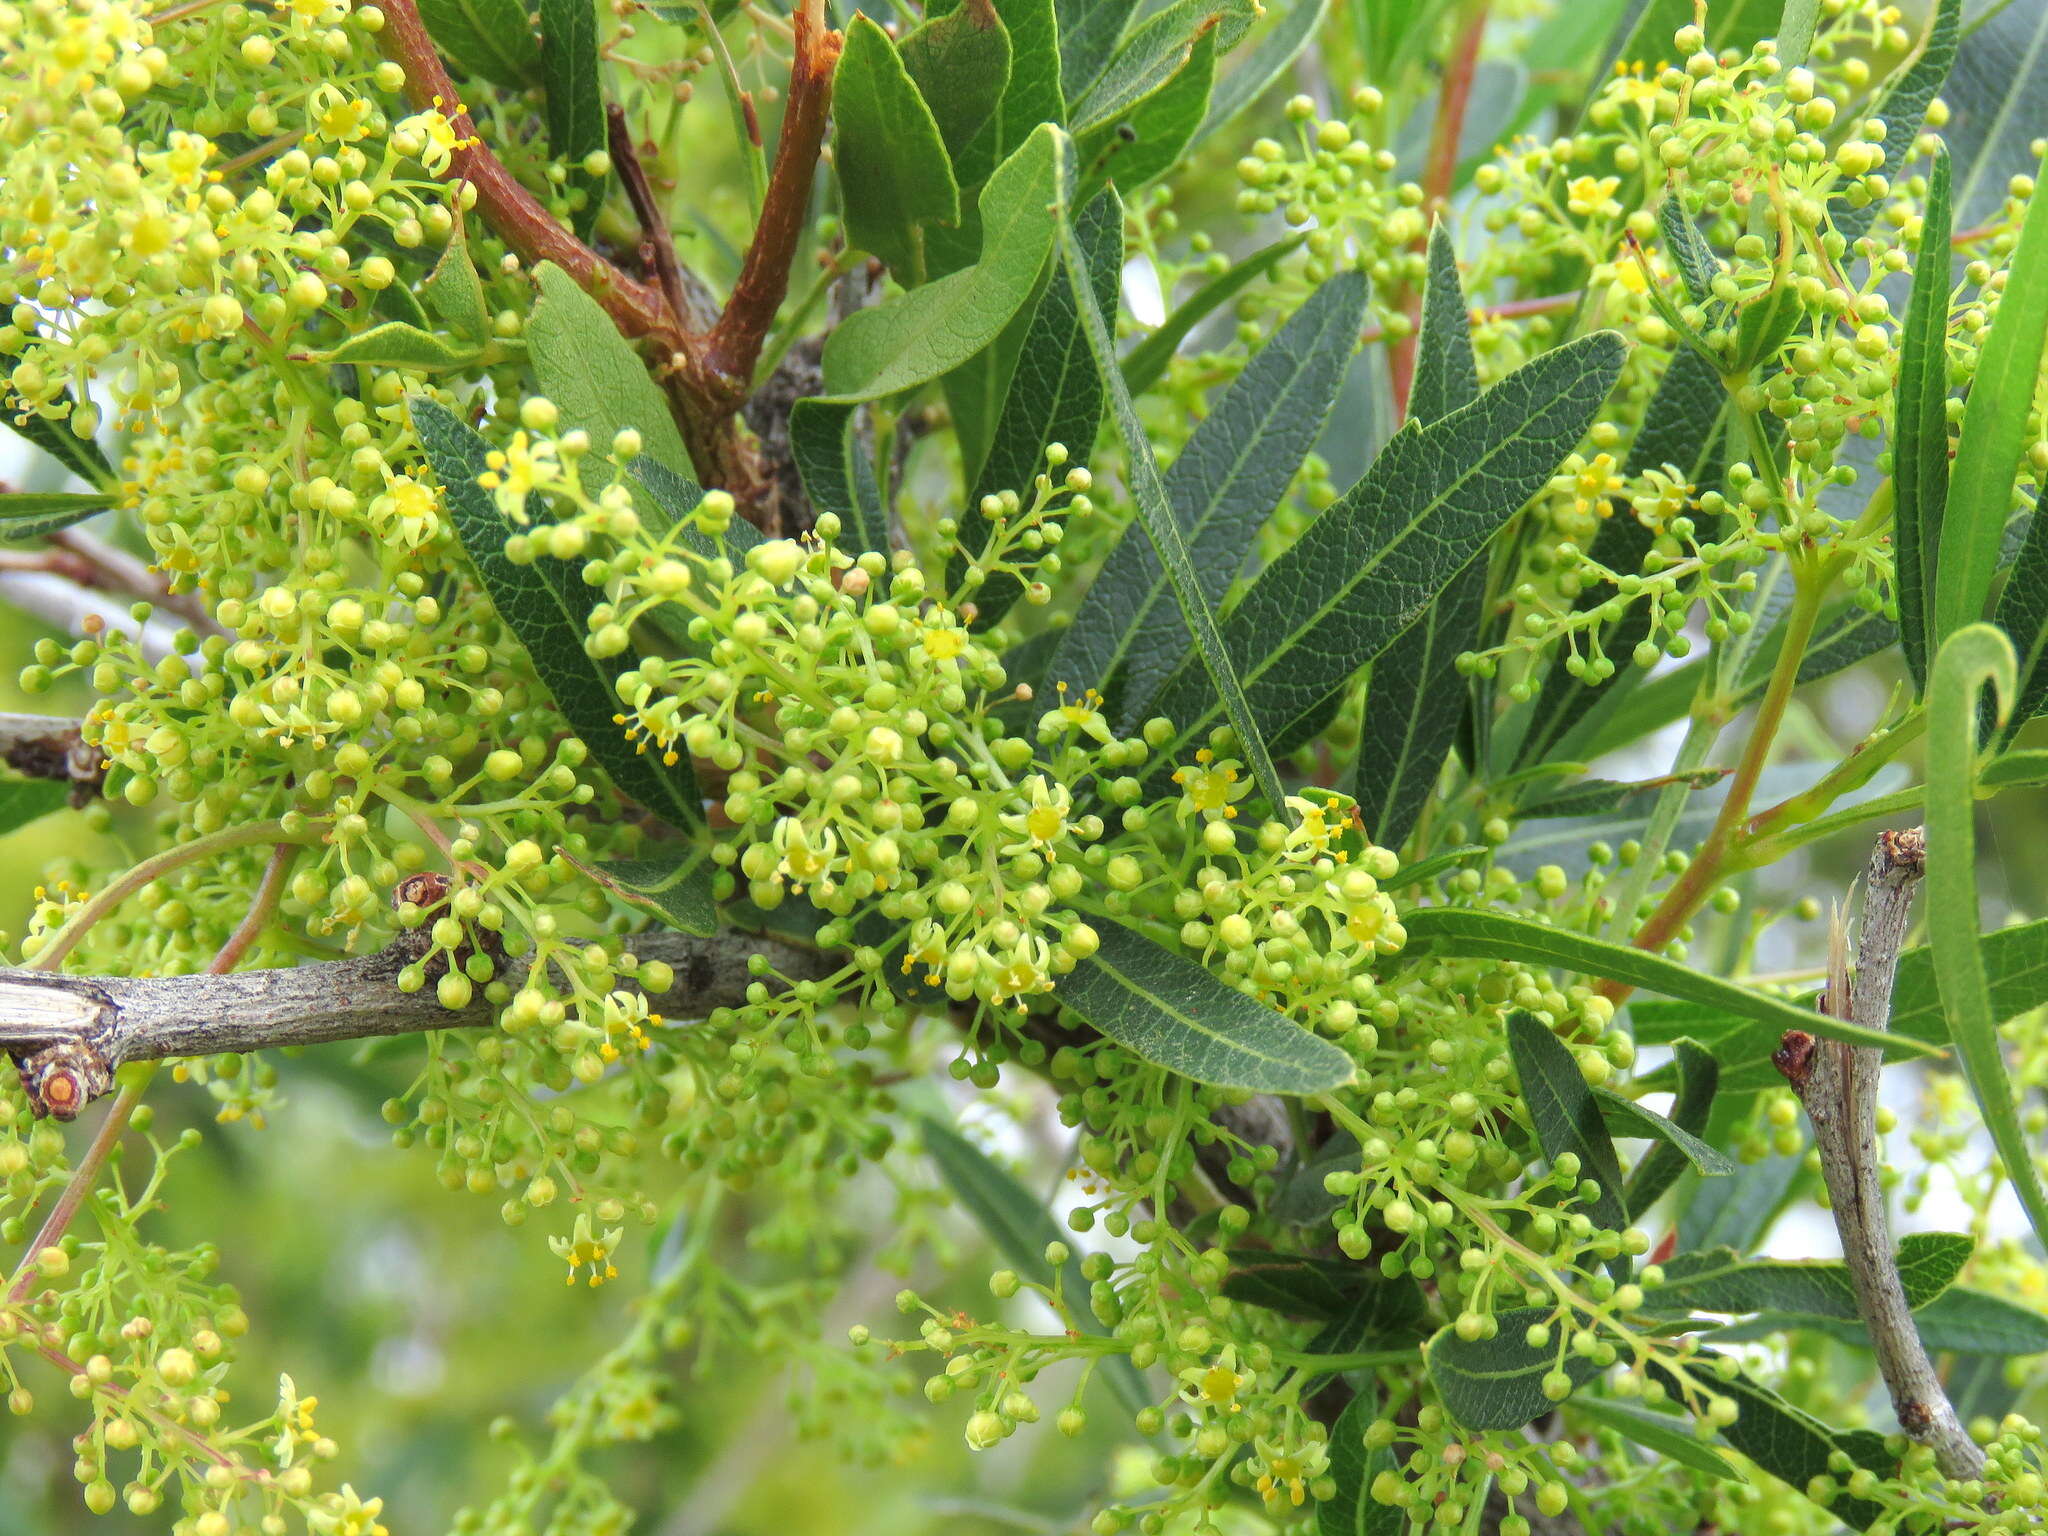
(837, 470)
(676, 889)
(1150, 59)
(31, 514)
(1666, 1435)
(1173, 1013)
(1018, 1225)
(915, 338)
(1698, 1077)
(1032, 96)
(547, 606)
(491, 38)
(1721, 1280)
(1470, 931)
(1413, 705)
(1565, 1113)
(961, 63)
(1300, 1285)
(1994, 435)
(1128, 634)
(1090, 33)
(396, 344)
(1967, 661)
(1497, 1383)
(1795, 31)
(1625, 1117)
(1155, 514)
(575, 97)
(2015, 962)
(1690, 254)
(894, 172)
(1267, 61)
(1920, 428)
(1055, 394)
(1902, 104)
(1150, 138)
(593, 377)
(1370, 565)
(1961, 1320)
(1352, 1510)
(1148, 359)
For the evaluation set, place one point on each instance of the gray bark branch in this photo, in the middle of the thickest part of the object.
(1838, 1085)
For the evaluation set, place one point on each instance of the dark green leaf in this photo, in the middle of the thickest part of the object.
(1267, 62)
(1737, 1211)
(1498, 935)
(1429, 868)
(32, 514)
(491, 38)
(675, 496)
(1698, 1077)
(1625, 1117)
(1497, 1383)
(25, 800)
(1148, 359)
(1296, 1284)
(961, 63)
(1128, 634)
(1090, 31)
(838, 472)
(455, 293)
(1151, 137)
(676, 889)
(547, 606)
(1902, 104)
(1156, 52)
(593, 376)
(1373, 562)
(1031, 97)
(1720, 1280)
(1961, 1320)
(1156, 515)
(1446, 374)
(917, 337)
(1352, 1510)
(894, 172)
(1565, 1113)
(1920, 428)
(1168, 1010)
(1602, 797)
(1996, 96)
(1668, 1436)
(1055, 394)
(1689, 251)
(575, 97)
(2015, 964)
(1021, 1229)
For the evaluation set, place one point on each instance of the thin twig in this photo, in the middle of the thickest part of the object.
(113, 569)
(687, 297)
(52, 747)
(1838, 1085)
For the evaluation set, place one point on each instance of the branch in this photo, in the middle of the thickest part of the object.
(70, 1034)
(51, 747)
(686, 295)
(734, 346)
(1838, 1085)
(84, 611)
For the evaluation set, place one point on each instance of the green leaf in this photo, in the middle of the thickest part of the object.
(961, 63)
(1565, 1113)
(1961, 1320)
(1090, 32)
(1148, 359)
(491, 38)
(894, 172)
(1369, 565)
(1021, 1229)
(1736, 1212)
(1055, 395)
(25, 800)
(1605, 797)
(1429, 868)
(52, 432)
(838, 472)
(1698, 1076)
(455, 293)
(1498, 935)
(1720, 1280)
(677, 889)
(1920, 426)
(915, 338)
(1157, 51)
(1902, 104)
(1690, 254)
(1446, 374)
(1166, 1009)
(395, 344)
(1497, 1383)
(675, 496)
(547, 606)
(1670, 1437)
(1795, 31)
(1352, 1510)
(1267, 62)
(1153, 135)
(2015, 962)
(1994, 436)
(1155, 514)
(28, 515)
(1128, 634)
(592, 374)
(1996, 96)
(1968, 659)
(1296, 1284)
(1032, 97)
(1625, 1117)
(575, 97)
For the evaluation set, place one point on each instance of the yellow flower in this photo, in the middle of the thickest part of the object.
(1215, 1386)
(1592, 197)
(1083, 715)
(518, 470)
(344, 119)
(1043, 821)
(433, 131)
(1289, 1473)
(584, 1248)
(1209, 788)
(943, 640)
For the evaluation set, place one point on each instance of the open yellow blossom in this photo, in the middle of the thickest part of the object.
(1208, 788)
(583, 1248)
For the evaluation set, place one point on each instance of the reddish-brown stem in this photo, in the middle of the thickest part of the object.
(262, 908)
(734, 345)
(1439, 171)
(1548, 304)
(654, 231)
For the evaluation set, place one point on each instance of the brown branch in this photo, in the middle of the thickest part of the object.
(1838, 1085)
(734, 346)
(687, 298)
(52, 747)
